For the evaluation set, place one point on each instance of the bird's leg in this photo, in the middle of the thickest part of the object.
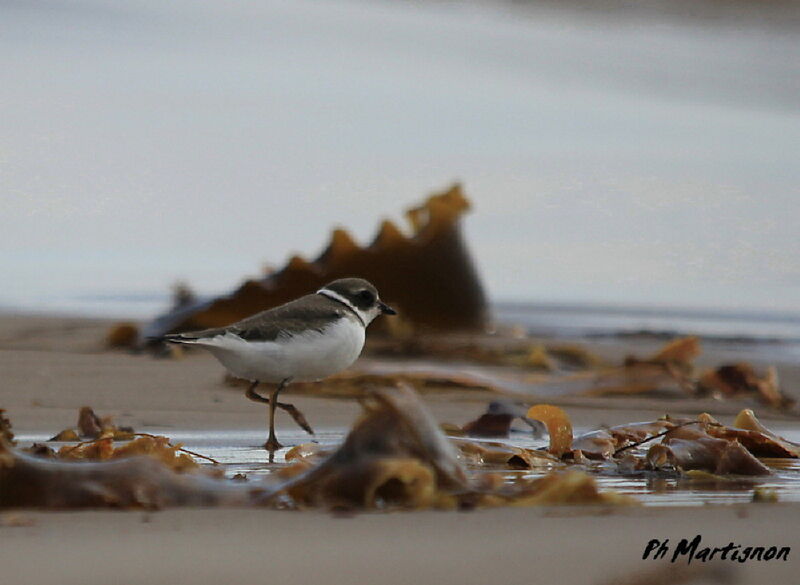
(255, 396)
(298, 416)
(272, 443)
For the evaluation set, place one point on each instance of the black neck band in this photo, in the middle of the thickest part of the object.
(329, 294)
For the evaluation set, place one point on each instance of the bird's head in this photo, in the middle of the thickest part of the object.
(360, 295)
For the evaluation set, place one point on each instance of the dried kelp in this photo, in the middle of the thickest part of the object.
(437, 287)
(133, 482)
(490, 424)
(306, 452)
(98, 439)
(395, 456)
(688, 449)
(740, 380)
(670, 369)
(559, 427)
(605, 443)
(680, 352)
(504, 456)
(497, 420)
(91, 426)
(600, 444)
(705, 444)
(160, 448)
(701, 444)
(6, 433)
(755, 437)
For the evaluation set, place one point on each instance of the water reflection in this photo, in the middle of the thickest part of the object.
(240, 452)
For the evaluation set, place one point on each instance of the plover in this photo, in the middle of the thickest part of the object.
(304, 340)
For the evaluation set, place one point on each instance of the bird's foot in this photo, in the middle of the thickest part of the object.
(271, 446)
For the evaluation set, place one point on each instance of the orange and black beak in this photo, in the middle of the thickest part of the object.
(386, 309)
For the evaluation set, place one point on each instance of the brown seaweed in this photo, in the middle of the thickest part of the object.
(490, 424)
(688, 449)
(755, 437)
(428, 277)
(741, 379)
(702, 444)
(681, 352)
(496, 421)
(6, 433)
(559, 427)
(505, 456)
(671, 369)
(133, 482)
(604, 443)
(395, 456)
(91, 426)
(158, 447)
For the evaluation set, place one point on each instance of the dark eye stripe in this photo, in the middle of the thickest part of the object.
(365, 299)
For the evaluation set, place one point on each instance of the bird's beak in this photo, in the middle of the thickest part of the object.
(386, 309)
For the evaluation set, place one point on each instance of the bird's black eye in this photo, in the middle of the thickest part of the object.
(366, 297)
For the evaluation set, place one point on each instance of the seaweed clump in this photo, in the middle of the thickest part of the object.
(428, 276)
(395, 457)
(6, 433)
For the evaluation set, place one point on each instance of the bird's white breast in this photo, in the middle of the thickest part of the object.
(304, 357)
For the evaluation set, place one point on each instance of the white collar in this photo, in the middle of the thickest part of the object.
(365, 318)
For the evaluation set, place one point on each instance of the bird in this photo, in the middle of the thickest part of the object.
(304, 340)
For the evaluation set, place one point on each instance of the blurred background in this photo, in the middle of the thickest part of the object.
(636, 156)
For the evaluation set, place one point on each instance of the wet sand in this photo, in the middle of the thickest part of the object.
(529, 545)
(52, 366)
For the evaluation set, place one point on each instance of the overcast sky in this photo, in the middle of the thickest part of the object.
(627, 162)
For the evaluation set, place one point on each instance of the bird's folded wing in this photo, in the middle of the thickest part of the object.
(288, 320)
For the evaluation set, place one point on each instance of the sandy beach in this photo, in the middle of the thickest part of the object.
(605, 177)
(53, 365)
(530, 545)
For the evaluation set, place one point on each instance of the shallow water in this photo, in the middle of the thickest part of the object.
(240, 452)
(571, 320)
